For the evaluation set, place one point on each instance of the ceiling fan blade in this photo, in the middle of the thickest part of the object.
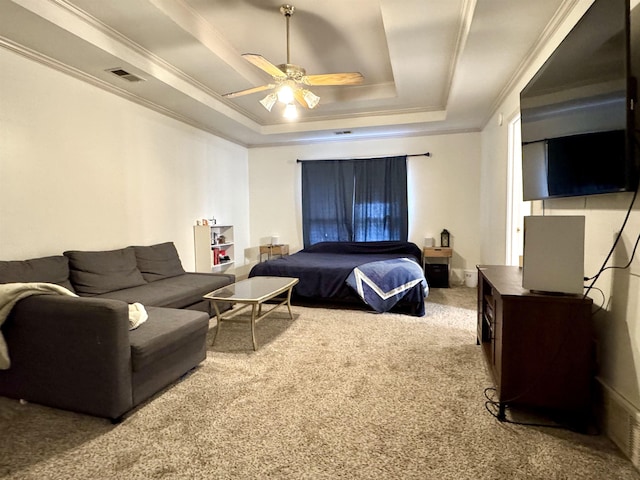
(249, 91)
(263, 64)
(299, 96)
(351, 78)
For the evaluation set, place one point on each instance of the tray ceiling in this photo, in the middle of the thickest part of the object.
(430, 66)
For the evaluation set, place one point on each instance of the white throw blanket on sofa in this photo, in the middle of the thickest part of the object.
(11, 293)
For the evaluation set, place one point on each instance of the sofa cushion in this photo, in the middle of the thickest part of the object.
(54, 269)
(93, 273)
(158, 261)
(175, 292)
(167, 330)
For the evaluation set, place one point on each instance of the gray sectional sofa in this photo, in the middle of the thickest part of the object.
(79, 354)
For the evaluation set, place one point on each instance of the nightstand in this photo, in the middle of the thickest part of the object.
(271, 250)
(437, 273)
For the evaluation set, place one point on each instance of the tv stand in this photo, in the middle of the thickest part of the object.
(538, 346)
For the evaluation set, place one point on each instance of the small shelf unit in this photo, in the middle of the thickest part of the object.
(214, 247)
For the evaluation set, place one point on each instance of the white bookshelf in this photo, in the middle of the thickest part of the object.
(211, 241)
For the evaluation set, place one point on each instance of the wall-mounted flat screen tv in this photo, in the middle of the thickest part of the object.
(577, 112)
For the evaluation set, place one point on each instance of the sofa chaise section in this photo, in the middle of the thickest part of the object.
(79, 354)
(163, 351)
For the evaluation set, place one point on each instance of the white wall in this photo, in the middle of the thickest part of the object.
(81, 168)
(443, 189)
(618, 324)
(493, 180)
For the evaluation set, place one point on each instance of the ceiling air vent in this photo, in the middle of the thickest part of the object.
(126, 75)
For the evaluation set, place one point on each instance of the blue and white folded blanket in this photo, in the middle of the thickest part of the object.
(382, 284)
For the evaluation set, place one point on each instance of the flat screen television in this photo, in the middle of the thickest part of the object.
(577, 112)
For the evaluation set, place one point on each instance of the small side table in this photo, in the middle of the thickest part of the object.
(271, 250)
(437, 273)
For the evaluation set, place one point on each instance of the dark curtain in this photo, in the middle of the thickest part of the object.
(354, 200)
(380, 200)
(327, 201)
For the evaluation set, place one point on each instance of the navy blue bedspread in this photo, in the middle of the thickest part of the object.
(324, 267)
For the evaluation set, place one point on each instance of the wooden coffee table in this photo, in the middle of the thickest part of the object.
(252, 292)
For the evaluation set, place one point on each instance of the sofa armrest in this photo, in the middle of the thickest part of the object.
(70, 353)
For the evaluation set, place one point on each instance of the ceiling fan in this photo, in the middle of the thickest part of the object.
(289, 80)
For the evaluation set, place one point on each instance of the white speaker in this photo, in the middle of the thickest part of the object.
(554, 254)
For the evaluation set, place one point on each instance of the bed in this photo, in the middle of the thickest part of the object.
(344, 272)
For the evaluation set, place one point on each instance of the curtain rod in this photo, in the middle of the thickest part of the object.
(427, 154)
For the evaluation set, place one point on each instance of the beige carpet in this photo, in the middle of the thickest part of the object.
(333, 394)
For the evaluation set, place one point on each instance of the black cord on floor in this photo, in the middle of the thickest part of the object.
(493, 407)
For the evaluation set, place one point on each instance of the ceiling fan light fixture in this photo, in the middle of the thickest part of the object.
(290, 112)
(311, 98)
(269, 101)
(289, 80)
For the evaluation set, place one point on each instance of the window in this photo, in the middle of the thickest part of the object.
(354, 200)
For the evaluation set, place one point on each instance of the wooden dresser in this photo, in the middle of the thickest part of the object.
(538, 346)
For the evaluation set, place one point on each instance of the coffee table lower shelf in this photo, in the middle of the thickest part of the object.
(251, 292)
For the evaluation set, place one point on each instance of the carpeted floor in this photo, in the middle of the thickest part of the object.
(333, 394)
